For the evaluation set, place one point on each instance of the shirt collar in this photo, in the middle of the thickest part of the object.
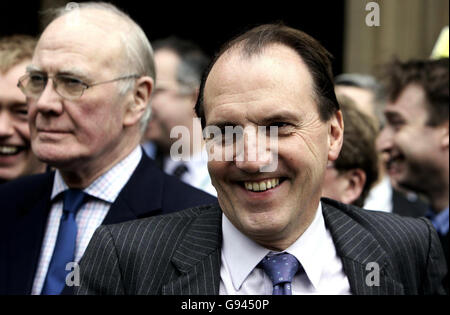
(243, 254)
(108, 186)
(310, 249)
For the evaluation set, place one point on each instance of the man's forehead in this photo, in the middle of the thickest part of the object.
(78, 45)
(274, 63)
(84, 30)
(8, 83)
(410, 101)
(273, 52)
(166, 63)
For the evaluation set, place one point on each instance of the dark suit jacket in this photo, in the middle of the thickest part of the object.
(404, 207)
(181, 253)
(25, 206)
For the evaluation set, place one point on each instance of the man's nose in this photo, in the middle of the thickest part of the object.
(6, 125)
(254, 154)
(385, 140)
(49, 101)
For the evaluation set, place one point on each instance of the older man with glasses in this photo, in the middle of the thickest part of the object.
(87, 124)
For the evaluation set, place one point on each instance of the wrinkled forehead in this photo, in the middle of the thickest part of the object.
(87, 36)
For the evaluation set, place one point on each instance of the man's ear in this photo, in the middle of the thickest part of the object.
(356, 179)
(335, 135)
(139, 100)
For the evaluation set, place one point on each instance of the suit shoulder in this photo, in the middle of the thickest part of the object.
(25, 189)
(186, 192)
(165, 221)
(375, 219)
(26, 182)
(394, 232)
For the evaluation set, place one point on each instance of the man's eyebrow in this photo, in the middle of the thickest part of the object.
(69, 72)
(276, 116)
(389, 113)
(31, 68)
(279, 116)
(73, 72)
(221, 124)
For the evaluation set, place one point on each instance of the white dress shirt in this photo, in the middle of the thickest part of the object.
(89, 217)
(315, 250)
(380, 196)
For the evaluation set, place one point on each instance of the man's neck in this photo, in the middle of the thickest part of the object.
(82, 177)
(439, 197)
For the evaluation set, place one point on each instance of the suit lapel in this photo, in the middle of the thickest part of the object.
(141, 195)
(198, 257)
(365, 262)
(28, 234)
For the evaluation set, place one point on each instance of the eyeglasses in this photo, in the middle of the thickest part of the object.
(68, 87)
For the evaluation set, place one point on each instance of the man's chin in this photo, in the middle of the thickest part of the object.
(14, 166)
(11, 173)
(56, 159)
(408, 184)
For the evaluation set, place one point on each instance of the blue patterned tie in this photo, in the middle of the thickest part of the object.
(64, 251)
(281, 269)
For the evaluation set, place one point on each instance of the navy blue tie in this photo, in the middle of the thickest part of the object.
(64, 251)
(281, 269)
(180, 170)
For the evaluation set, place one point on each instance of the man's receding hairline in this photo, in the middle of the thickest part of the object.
(238, 51)
(85, 13)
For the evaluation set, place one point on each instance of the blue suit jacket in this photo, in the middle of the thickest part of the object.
(25, 206)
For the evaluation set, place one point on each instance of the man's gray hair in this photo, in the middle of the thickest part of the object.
(138, 50)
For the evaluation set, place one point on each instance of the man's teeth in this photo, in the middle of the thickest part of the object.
(393, 161)
(8, 150)
(262, 185)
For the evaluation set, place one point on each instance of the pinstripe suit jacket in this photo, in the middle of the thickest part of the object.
(180, 253)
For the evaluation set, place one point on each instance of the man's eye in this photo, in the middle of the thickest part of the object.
(396, 124)
(70, 81)
(281, 127)
(279, 124)
(22, 112)
(37, 78)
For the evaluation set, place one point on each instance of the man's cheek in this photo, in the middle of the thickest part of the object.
(24, 131)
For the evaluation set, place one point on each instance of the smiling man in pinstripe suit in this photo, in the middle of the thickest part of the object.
(275, 76)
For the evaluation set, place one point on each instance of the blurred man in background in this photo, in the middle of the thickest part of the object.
(179, 67)
(16, 157)
(368, 95)
(350, 178)
(415, 140)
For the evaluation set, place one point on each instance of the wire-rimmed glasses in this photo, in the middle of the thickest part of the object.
(68, 87)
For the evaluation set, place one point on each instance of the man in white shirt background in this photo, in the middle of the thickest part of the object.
(179, 66)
